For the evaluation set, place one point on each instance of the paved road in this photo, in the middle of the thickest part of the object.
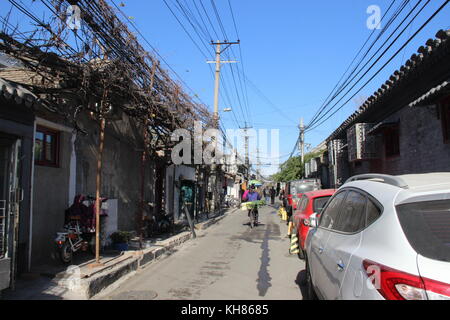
(228, 261)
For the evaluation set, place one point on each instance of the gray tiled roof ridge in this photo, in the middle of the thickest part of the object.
(423, 53)
(19, 94)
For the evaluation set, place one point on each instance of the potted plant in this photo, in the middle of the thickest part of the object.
(120, 240)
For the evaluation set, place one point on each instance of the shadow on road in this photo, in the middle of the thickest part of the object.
(301, 282)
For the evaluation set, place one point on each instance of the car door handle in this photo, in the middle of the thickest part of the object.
(341, 266)
(320, 250)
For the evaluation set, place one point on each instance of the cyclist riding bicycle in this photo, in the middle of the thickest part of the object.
(251, 196)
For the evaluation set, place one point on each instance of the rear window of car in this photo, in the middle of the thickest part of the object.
(298, 187)
(319, 203)
(427, 227)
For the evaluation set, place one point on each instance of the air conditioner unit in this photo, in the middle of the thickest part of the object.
(307, 169)
(362, 146)
(335, 150)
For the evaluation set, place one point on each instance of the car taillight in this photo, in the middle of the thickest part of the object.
(393, 284)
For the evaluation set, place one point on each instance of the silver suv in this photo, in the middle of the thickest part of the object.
(382, 237)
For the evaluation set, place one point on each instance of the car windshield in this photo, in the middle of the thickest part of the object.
(319, 203)
(301, 187)
(427, 227)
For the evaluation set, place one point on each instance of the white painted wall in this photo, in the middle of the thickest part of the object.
(112, 219)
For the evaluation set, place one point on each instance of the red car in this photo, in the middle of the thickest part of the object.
(309, 203)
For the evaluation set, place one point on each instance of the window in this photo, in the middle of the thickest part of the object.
(427, 227)
(331, 213)
(392, 141)
(319, 203)
(303, 203)
(46, 147)
(445, 112)
(373, 213)
(353, 216)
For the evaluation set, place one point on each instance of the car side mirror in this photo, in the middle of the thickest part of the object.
(313, 221)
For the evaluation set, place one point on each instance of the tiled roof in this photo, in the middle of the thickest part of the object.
(424, 53)
(432, 95)
(16, 92)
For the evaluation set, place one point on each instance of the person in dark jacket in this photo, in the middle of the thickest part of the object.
(272, 195)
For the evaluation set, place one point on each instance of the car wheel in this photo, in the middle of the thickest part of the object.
(310, 293)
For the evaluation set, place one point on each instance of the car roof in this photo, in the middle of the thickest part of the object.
(406, 188)
(436, 180)
(320, 193)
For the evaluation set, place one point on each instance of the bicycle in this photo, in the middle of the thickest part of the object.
(231, 202)
(253, 215)
(157, 223)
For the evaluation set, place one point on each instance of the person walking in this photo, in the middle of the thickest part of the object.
(272, 195)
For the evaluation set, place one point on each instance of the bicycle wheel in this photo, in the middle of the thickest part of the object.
(252, 219)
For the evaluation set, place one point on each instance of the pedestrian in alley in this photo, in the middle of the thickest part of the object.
(272, 195)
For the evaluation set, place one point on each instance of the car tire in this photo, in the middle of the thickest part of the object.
(310, 293)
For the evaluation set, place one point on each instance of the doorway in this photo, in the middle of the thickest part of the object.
(10, 197)
(187, 196)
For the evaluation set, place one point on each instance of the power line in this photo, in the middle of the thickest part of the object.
(156, 51)
(312, 126)
(396, 53)
(346, 82)
(189, 15)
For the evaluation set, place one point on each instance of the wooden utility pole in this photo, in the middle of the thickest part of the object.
(99, 186)
(218, 63)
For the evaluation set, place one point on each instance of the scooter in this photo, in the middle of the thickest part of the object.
(67, 243)
(78, 238)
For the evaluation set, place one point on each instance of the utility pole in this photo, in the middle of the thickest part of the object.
(218, 63)
(302, 144)
(258, 164)
(247, 157)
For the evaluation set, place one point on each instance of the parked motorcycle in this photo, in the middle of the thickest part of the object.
(79, 228)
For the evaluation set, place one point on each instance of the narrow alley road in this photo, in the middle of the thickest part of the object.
(227, 261)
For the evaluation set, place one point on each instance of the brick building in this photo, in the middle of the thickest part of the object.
(402, 128)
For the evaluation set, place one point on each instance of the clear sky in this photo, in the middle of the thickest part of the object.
(294, 52)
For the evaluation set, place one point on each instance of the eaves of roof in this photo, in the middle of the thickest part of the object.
(434, 51)
(17, 93)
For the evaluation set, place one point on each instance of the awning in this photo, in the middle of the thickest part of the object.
(381, 127)
(13, 91)
(433, 95)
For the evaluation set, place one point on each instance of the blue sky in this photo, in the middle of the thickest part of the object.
(294, 51)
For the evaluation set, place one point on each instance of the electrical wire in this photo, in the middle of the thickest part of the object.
(390, 59)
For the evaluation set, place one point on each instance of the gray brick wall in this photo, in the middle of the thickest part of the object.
(422, 147)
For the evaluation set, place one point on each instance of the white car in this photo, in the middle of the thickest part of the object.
(382, 237)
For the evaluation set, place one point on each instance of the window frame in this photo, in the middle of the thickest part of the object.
(388, 132)
(57, 135)
(320, 197)
(368, 197)
(328, 204)
(364, 213)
